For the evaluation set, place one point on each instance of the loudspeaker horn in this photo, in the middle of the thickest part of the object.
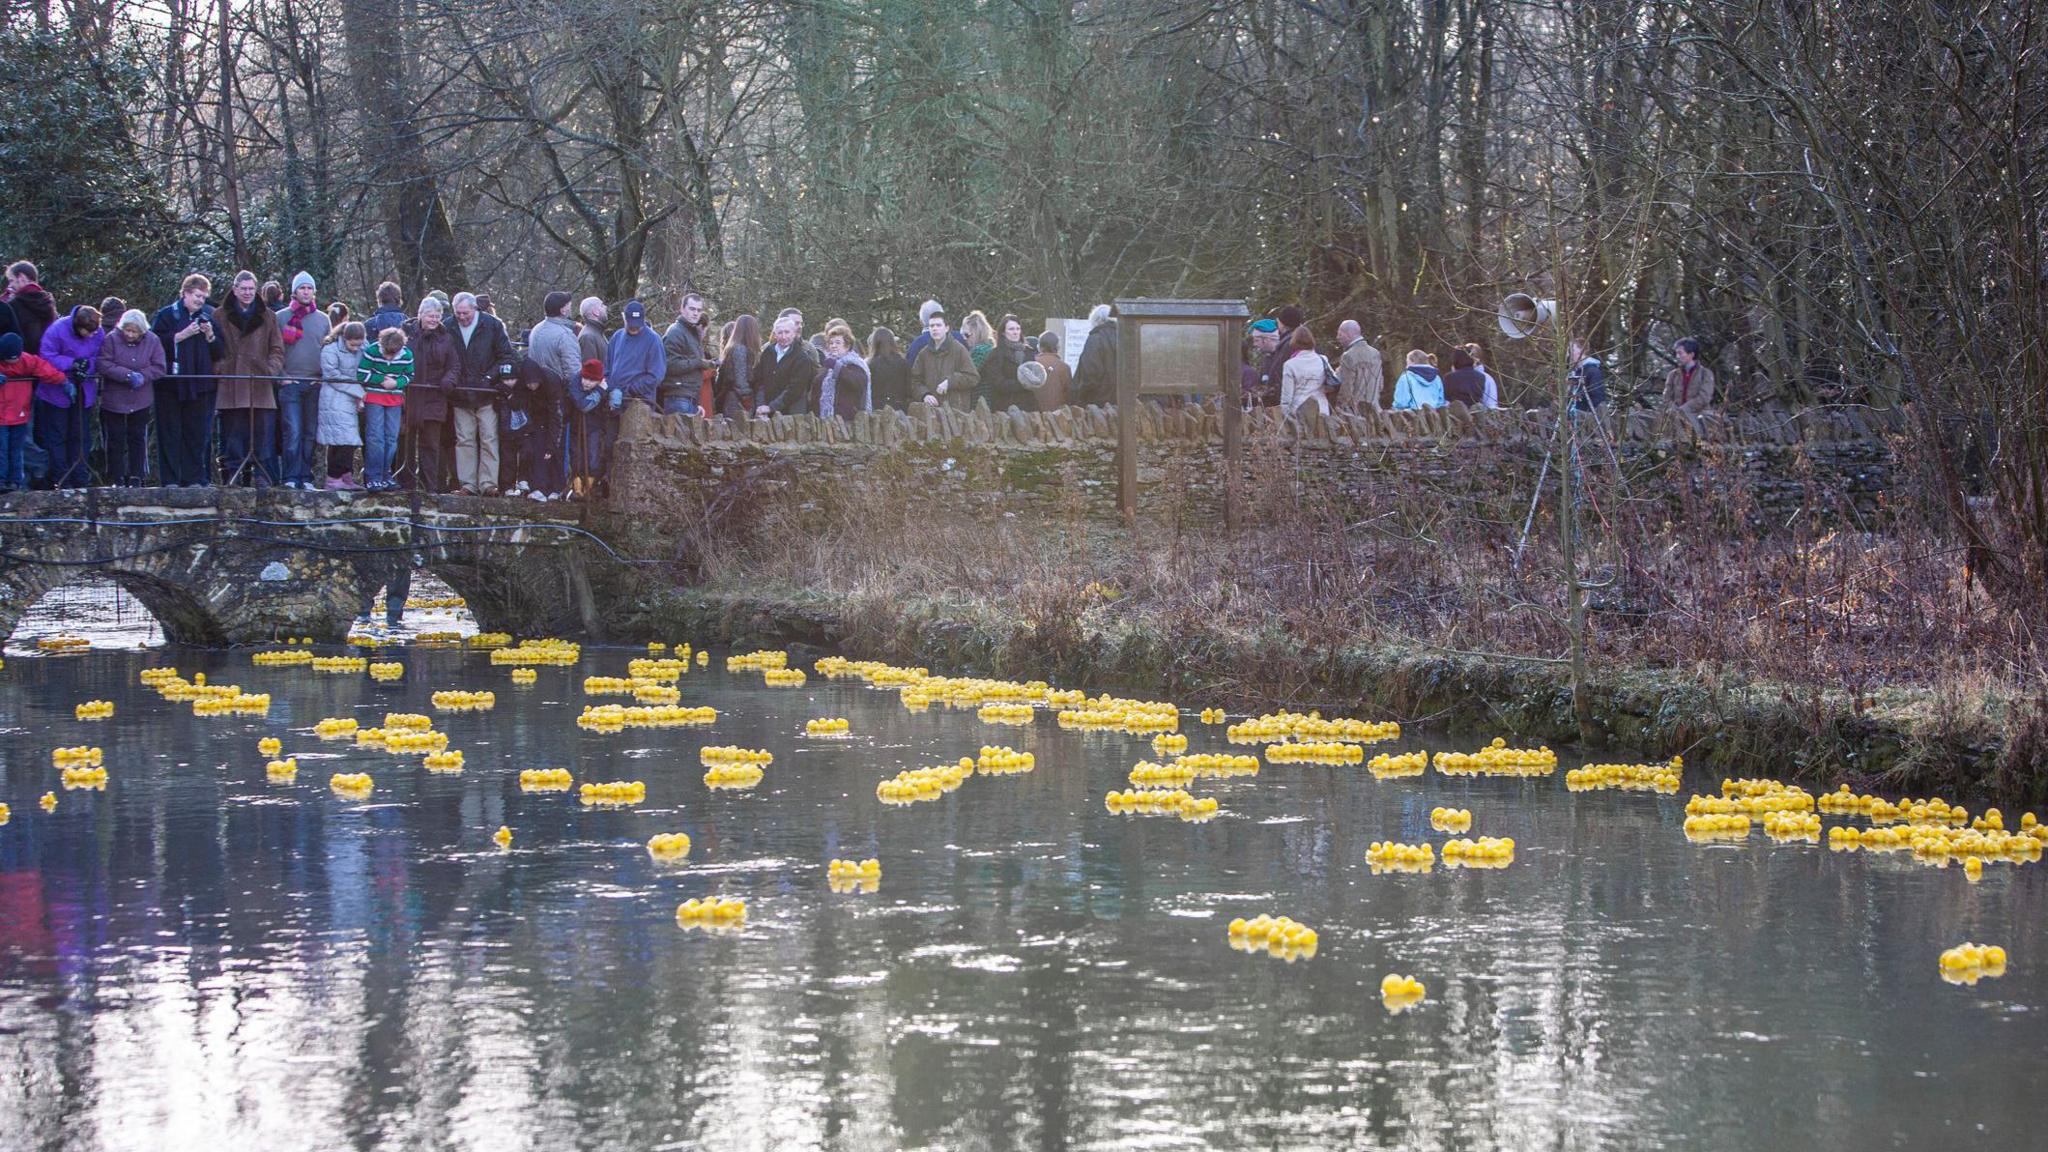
(1522, 315)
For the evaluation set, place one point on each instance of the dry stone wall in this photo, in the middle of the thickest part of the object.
(1759, 470)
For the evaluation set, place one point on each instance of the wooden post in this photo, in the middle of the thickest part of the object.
(1127, 425)
(1233, 424)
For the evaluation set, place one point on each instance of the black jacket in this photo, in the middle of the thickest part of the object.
(789, 386)
(1095, 378)
(189, 366)
(1465, 384)
(999, 377)
(542, 403)
(488, 350)
(34, 311)
(889, 377)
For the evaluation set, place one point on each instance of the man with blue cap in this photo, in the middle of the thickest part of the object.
(635, 362)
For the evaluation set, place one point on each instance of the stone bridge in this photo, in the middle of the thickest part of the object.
(241, 566)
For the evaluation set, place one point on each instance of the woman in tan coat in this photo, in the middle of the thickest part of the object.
(247, 407)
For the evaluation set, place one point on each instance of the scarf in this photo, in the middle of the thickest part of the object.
(247, 321)
(295, 324)
(828, 392)
(1685, 383)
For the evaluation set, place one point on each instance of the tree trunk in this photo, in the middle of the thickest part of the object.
(416, 224)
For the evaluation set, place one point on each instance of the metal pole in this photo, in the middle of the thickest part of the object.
(1536, 493)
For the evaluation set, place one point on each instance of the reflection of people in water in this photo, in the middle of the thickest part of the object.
(397, 586)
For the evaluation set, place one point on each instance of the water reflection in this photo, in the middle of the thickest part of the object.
(198, 953)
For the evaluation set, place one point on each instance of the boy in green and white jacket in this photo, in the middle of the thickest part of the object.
(384, 371)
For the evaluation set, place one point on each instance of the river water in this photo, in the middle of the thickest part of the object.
(199, 956)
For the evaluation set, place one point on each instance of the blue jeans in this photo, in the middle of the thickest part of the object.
(678, 404)
(600, 428)
(13, 448)
(381, 423)
(298, 418)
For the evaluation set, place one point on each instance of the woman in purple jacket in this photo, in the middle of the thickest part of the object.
(131, 362)
(72, 346)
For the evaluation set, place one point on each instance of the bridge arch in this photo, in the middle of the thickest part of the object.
(243, 566)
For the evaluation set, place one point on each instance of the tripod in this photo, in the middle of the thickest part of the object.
(1568, 414)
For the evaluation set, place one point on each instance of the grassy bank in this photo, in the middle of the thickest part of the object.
(1907, 740)
(1813, 646)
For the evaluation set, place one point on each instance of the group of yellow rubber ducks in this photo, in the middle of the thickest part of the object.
(996, 761)
(668, 847)
(1969, 963)
(619, 717)
(1390, 765)
(1277, 936)
(1162, 802)
(1662, 778)
(845, 876)
(457, 700)
(1497, 759)
(1450, 819)
(1930, 828)
(1391, 856)
(1485, 852)
(1277, 726)
(613, 793)
(713, 913)
(916, 785)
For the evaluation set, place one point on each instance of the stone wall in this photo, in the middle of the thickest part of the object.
(1757, 471)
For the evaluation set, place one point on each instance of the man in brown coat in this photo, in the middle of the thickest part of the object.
(1689, 387)
(944, 372)
(1360, 372)
(247, 400)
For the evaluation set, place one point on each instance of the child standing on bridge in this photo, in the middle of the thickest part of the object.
(23, 371)
(385, 370)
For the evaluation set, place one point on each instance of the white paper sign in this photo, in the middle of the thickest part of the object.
(1073, 338)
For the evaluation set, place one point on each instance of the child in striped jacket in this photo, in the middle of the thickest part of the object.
(384, 371)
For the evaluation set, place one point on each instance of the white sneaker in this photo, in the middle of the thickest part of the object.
(521, 488)
(539, 497)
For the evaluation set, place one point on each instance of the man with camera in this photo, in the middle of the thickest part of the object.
(184, 395)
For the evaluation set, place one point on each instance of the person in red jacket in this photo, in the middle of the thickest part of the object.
(22, 371)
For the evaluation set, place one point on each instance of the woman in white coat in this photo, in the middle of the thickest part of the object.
(1302, 377)
(341, 405)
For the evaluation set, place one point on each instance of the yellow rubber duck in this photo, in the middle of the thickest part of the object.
(1400, 993)
(503, 836)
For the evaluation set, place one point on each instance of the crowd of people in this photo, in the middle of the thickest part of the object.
(267, 386)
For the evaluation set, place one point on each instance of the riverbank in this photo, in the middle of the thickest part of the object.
(1904, 740)
(1767, 604)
